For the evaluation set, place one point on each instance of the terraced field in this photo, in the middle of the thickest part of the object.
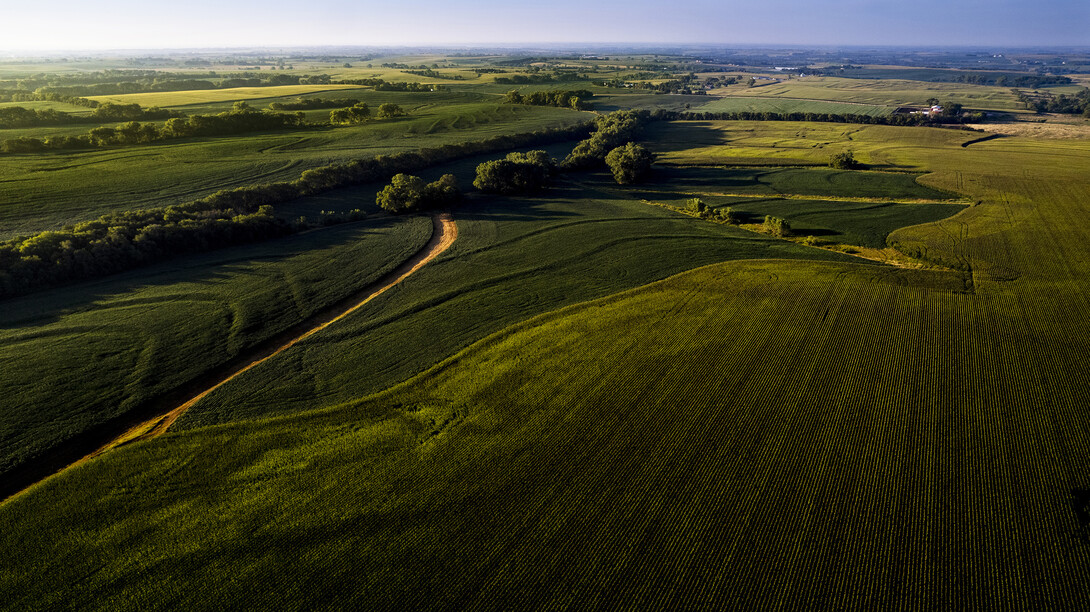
(755, 433)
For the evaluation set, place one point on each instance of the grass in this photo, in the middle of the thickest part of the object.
(47, 191)
(204, 96)
(112, 344)
(736, 104)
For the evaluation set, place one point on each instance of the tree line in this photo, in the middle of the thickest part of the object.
(122, 241)
(312, 104)
(240, 119)
(1077, 104)
(382, 85)
(19, 117)
(560, 98)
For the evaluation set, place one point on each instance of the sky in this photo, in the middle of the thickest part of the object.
(153, 24)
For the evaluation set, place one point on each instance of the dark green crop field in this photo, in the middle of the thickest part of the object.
(590, 399)
(115, 343)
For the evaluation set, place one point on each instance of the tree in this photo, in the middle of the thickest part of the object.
(390, 109)
(516, 173)
(844, 161)
(629, 163)
(357, 113)
(407, 193)
(777, 226)
(403, 194)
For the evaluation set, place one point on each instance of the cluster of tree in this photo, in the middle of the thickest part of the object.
(357, 113)
(1078, 104)
(611, 131)
(26, 96)
(17, 116)
(408, 193)
(630, 163)
(125, 240)
(777, 227)
(23, 271)
(702, 210)
(674, 86)
(481, 71)
(897, 119)
(537, 79)
(242, 118)
(560, 98)
(1009, 80)
(111, 111)
(312, 103)
(844, 161)
(435, 74)
(516, 173)
(381, 85)
(360, 112)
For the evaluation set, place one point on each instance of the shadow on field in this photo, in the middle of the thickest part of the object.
(1080, 504)
(49, 306)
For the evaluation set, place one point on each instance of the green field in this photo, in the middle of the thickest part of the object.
(115, 343)
(699, 442)
(890, 92)
(204, 96)
(754, 104)
(590, 400)
(46, 191)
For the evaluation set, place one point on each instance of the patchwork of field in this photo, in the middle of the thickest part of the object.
(753, 104)
(890, 92)
(588, 401)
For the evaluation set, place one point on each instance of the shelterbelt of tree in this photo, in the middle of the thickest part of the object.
(752, 434)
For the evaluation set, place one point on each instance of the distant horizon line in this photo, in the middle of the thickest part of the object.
(542, 45)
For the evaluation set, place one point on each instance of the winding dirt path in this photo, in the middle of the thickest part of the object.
(157, 418)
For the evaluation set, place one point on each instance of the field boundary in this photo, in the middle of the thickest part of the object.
(156, 417)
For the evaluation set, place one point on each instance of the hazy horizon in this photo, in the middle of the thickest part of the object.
(118, 25)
